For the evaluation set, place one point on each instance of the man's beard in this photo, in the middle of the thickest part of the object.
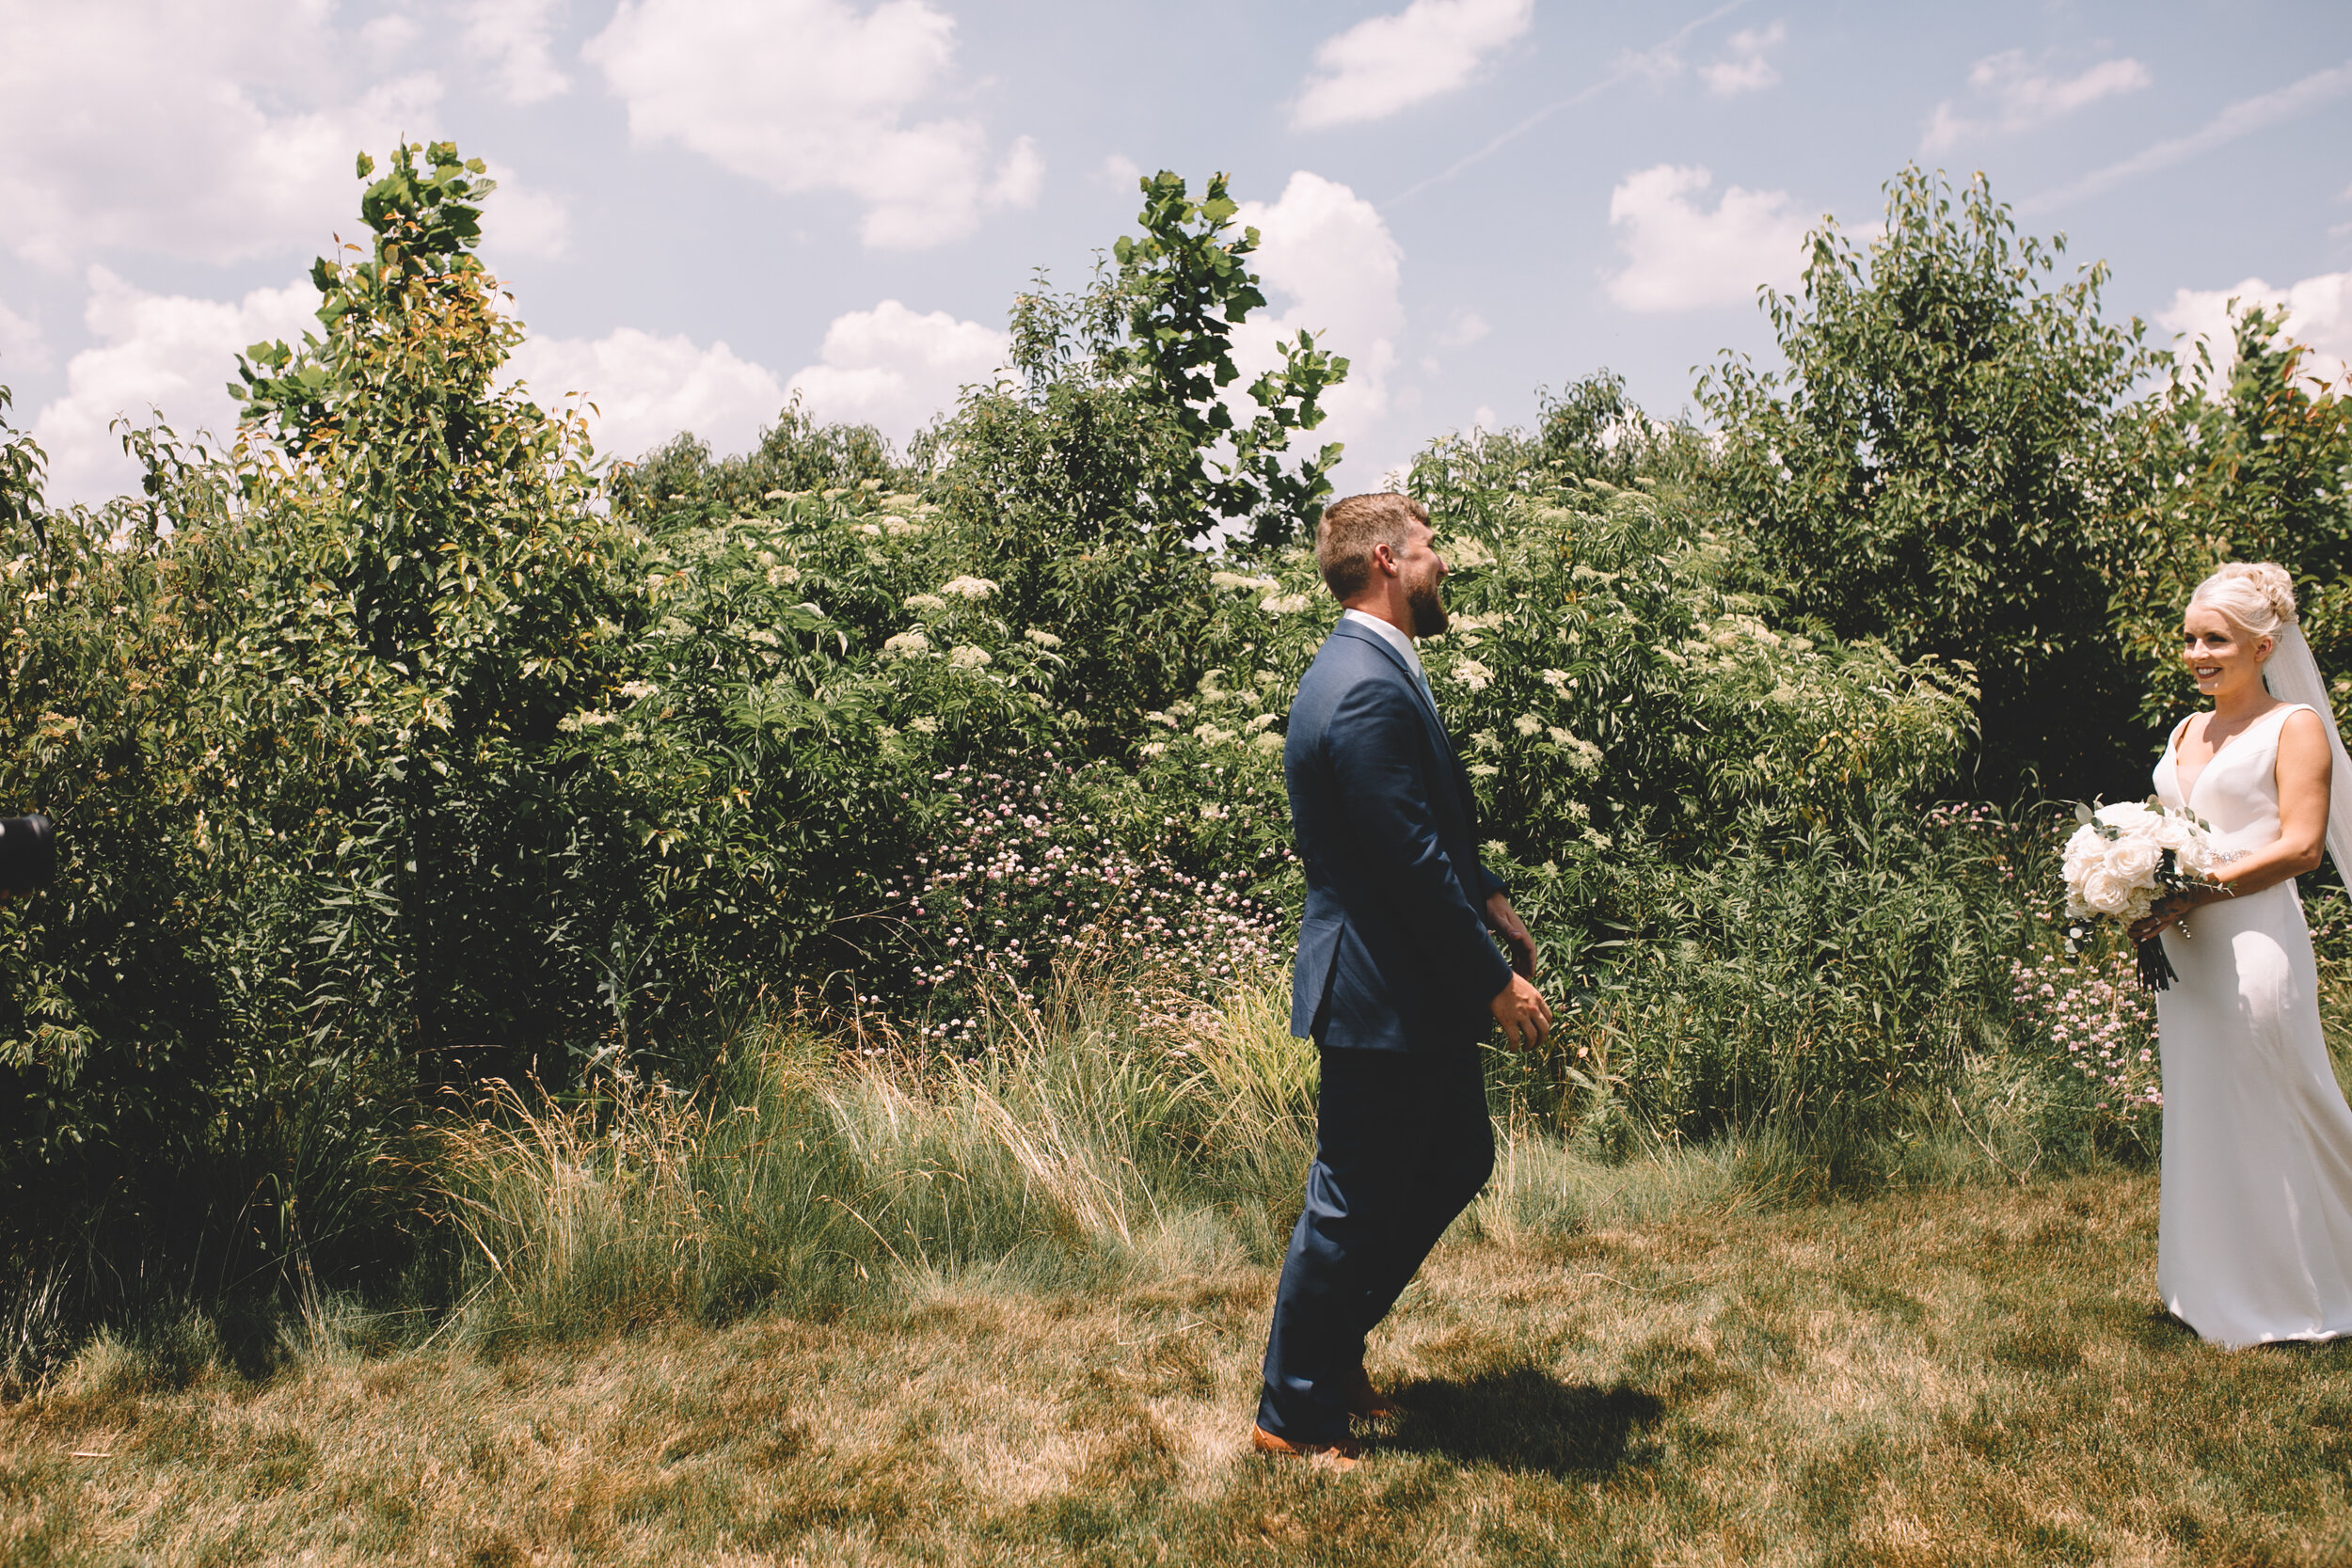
(1429, 616)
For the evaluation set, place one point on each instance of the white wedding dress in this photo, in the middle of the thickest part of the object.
(2254, 1233)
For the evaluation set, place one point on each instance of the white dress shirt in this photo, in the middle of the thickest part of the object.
(1402, 643)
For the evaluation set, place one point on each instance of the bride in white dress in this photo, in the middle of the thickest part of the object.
(2254, 1233)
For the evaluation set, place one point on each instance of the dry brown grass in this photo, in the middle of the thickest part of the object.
(1971, 1377)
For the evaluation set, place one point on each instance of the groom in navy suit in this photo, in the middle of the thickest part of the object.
(1396, 982)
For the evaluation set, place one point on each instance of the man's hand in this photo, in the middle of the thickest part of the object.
(1525, 1016)
(1505, 922)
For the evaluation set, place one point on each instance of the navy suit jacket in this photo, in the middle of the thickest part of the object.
(1393, 953)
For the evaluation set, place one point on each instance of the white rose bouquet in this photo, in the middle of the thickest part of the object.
(2124, 859)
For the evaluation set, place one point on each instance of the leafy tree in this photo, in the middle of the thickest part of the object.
(21, 464)
(1120, 416)
(1588, 430)
(679, 478)
(1116, 455)
(121, 1009)
(1591, 430)
(1943, 463)
(1185, 285)
(2255, 465)
(434, 592)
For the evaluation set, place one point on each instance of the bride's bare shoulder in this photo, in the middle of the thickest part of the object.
(2304, 725)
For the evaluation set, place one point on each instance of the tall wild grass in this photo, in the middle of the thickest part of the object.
(1832, 1016)
(1096, 1136)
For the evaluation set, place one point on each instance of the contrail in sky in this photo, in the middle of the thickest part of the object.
(1630, 64)
(2239, 120)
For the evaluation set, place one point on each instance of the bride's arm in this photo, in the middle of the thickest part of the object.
(2303, 765)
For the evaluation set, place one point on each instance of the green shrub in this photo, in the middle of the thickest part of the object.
(1824, 984)
(1947, 463)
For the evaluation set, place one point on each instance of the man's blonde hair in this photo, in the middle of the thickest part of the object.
(1349, 530)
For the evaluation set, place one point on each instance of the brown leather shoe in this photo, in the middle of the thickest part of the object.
(1365, 1401)
(1340, 1455)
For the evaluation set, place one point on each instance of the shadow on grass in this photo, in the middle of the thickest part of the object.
(1521, 1418)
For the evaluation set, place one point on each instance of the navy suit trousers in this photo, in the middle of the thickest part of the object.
(1402, 1143)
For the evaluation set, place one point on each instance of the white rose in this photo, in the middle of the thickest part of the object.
(2134, 860)
(2104, 890)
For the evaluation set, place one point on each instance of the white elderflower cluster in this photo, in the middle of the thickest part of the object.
(1584, 757)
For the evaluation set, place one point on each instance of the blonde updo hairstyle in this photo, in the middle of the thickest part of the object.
(2258, 597)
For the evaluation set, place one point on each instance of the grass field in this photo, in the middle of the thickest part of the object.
(1697, 1375)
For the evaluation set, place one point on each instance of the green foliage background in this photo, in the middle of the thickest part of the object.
(405, 744)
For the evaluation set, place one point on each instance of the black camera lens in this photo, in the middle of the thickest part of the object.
(29, 853)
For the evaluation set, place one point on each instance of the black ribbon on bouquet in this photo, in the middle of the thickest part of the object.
(2155, 968)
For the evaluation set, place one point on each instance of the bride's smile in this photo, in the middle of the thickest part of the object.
(2221, 659)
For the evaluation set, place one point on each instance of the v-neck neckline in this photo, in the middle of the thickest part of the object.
(2188, 794)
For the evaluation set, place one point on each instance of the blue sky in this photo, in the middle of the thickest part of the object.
(709, 204)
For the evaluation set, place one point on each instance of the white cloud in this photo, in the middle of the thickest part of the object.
(21, 346)
(2011, 93)
(1681, 256)
(894, 369)
(1329, 253)
(1020, 178)
(2241, 118)
(389, 35)
(647, 388)
(1467, 328)
(1388, 63)
(165, 352)
(520, 219)
(1745, 69)
(516, 35)
(1660, 63)
(214, 130)
(2319, 313)
(1120, 172)
(811, 95)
